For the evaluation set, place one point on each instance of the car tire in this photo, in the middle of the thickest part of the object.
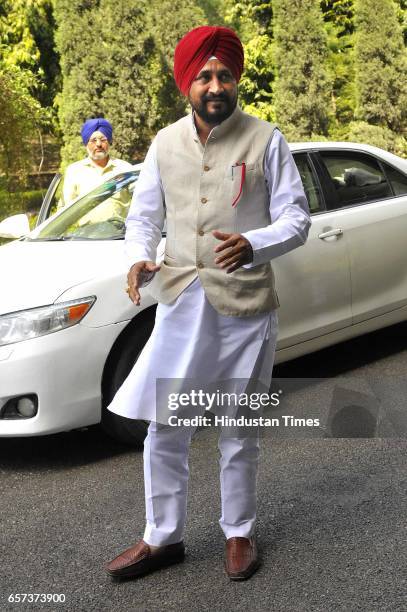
(120, 362)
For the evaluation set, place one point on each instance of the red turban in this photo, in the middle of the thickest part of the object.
(196, 47)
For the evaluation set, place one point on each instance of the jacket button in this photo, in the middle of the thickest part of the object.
(200, 265)
(206, 168)
(204, 200)
(201, 233)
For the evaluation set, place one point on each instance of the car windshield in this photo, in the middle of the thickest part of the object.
(99, 215)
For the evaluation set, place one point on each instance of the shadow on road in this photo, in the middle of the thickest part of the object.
(62, 450)
(375, 411)
(345, 357)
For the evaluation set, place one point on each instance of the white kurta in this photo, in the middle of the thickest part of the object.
(190, 338)
(84, 175)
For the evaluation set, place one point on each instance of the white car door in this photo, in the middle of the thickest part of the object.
(313, 281)
(374, 207)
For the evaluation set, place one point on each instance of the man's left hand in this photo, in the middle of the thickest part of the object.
(237, 251)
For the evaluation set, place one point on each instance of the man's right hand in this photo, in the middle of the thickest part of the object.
(139, 274)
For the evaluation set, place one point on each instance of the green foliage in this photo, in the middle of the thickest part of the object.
(27, 41)
(255, 88)
(341, 69)
(42, 26)
(213, 10)
(379, 136)
(334, 90)
(340, 13)
(339, 25)
(18, 46)
(23, 84)
(116, 62)
(302, 88)
(381, 65)
(19, 202)
(402, 17)
(249, 18)
(252, 20)
(21, 116)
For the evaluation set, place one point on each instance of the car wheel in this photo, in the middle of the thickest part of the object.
(121, 360)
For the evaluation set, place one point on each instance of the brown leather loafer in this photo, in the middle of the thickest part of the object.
(140, 559)
(241, 558)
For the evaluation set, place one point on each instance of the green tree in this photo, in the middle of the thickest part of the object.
(116, 61)
(21, 118)
(214, 11)
(253, 21)
(302, 88)
(402, 17)
(381, 65)
(27, 41)
(249, 18)
(341, 14)
(256, 85)
(339, 25)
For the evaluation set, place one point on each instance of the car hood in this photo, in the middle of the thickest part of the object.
(37, 273)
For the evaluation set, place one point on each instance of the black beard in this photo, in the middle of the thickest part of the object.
(216, 117)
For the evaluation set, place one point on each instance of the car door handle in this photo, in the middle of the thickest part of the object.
(333, 232)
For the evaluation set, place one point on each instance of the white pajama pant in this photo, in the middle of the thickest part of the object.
(192, 341)
(166, 483)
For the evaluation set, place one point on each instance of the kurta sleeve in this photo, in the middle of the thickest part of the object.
(146, 216)
(289, 211)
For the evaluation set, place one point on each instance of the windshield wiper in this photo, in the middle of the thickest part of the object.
(58, 238)
(66, 238)
(47, 239)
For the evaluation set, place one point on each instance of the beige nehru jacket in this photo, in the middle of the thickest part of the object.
(200, 184)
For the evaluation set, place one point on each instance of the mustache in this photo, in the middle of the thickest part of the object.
(212, 98)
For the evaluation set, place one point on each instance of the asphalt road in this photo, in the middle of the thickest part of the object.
(331, 511)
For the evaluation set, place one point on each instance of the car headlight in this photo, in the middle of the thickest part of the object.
(35, 322)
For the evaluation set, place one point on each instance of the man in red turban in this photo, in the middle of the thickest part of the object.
(218, 176)
(213, 46)
(195, 49)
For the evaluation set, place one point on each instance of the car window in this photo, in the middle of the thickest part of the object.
(356, 177)
(99, 215)
(397, 179)
(309, 182)
(57, 199)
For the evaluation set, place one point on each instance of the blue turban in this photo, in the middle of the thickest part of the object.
(98, 124)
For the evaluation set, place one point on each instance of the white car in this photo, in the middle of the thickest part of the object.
(69, 334)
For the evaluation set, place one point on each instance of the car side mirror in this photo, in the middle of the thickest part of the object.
(14, 227)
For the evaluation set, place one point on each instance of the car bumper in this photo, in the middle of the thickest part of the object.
(64, 370)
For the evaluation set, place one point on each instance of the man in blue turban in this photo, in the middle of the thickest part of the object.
(86, 174)
(96, 125)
